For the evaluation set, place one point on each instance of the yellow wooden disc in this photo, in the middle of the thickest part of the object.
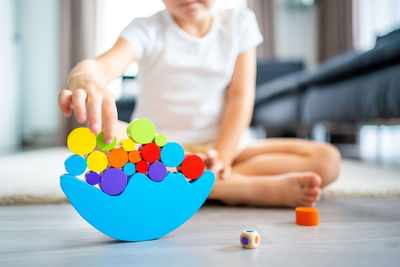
(128, 144)
(97, 161)
(81, 141)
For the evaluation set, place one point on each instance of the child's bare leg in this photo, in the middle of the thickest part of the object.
(277, 156)
(279, 172)
(289, 189)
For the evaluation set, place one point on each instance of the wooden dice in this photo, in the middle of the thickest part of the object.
(249, 239)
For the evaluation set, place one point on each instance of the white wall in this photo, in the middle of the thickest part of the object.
(39, 32)
(296, 32)
(9, 116)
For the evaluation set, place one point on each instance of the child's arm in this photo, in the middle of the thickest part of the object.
(238, 107)
(88, 94)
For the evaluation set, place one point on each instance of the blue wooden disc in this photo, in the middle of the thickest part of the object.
(75, 165)
(129, 169)
(172, 154)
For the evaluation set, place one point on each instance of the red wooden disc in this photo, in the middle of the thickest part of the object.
(151, 152)
(142, 166)
(192, 167)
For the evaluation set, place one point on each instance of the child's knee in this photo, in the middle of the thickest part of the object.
(328, 160)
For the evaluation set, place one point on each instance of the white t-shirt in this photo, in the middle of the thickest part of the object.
(183, 78)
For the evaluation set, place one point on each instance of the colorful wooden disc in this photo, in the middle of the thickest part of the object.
(117, 157)
(192, 167)
(172, 154)
(128, 144)
(151, 152)
(103, 146)
(75, 165)
(81, 141)
(113, 181)
(92, 178)
(142, 166)
(129, 168)
(157, 171)
(160, 140)
(142, 131)
(134, 156)
(97, 161)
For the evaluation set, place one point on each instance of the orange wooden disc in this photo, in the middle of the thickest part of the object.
(306, 216)
(117, 157)
(134, 156)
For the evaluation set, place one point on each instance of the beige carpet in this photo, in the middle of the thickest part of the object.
(363, 179)
(33, 177)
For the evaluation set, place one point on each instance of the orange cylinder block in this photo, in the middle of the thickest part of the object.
(307, 216)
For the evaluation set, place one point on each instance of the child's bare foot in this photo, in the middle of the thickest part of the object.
(290, 189)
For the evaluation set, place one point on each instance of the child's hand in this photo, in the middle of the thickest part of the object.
(214, 164)
(91, 102)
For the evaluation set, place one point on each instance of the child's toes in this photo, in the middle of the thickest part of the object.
(311, 179)
(306, 203)
(312, 191)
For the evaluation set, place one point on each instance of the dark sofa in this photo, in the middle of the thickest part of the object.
(350, 88)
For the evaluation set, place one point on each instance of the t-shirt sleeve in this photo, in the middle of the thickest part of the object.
(248, 31)
(138, 34)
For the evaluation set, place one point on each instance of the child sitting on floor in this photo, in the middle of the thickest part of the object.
(197, 84)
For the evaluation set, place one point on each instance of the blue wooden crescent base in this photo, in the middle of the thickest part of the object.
(145, 210)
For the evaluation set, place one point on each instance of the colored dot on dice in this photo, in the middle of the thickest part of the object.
(103, 146)
(97, 161)
(151, 152)
(172, 154)
(134, 156)
(142, 131)
(117, 157)
(113, 181)
(249, 239)
(81, 141)
(92, 178)
(129, 169)
(157, 171)
(142, 166)
(128, 144)
(160, 140)
(75, 165)
(192, 167)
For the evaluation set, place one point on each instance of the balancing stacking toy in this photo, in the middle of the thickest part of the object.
(128, 192)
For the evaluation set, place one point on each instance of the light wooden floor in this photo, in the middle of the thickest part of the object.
(352, 232)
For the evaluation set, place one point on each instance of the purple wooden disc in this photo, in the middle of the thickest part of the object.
(157, 171)
(92, 178)
(113, 181)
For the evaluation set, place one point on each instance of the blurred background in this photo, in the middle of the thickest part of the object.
(327, 70)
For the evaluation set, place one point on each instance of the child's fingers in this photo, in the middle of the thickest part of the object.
(211, 157)
(110, 117)
(79, 105)
(212, 154)
(64, 102)
(94, 113)
(225, 172)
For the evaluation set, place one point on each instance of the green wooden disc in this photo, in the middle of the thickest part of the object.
(142, 131)
(103, 146)
(160, 140)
